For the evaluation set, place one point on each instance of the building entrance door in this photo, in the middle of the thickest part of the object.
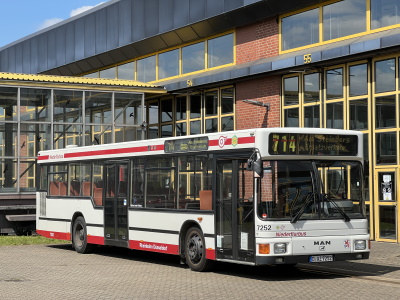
(386, 211)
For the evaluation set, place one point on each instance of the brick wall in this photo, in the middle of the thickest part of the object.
(253, 42)
(256, 41)
(266, 90)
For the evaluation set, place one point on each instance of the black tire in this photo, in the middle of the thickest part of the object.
(195, 250)
(79, 237)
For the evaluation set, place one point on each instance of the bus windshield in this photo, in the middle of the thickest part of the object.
(311, 189)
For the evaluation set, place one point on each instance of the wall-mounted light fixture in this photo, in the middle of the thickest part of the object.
(258, 103)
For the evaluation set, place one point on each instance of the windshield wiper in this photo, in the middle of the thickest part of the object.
(341, 211)
(309, 198)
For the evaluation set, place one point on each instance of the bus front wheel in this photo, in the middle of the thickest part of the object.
(79, 236)
(195, 251)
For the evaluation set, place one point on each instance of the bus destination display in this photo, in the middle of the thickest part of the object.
(186, 145)
(312, 144)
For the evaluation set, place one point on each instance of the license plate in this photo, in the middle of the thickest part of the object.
(321, 258)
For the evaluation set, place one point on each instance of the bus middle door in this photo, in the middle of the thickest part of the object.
(116, 204)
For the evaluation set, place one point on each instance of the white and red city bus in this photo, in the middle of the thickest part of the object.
(259, 196)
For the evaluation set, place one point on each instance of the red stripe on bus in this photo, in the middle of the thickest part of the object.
(247, 140)
(228, 141)
(154, 247)
(93, 239)
(44, 157)
(55, 235)
(115, 151)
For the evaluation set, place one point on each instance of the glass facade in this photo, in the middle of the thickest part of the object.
(192, 113)
(363, 96)
(337, 20)
(35, 119)
(199, 56)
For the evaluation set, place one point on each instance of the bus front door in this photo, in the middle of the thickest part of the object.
(116, 204)
(235, 211)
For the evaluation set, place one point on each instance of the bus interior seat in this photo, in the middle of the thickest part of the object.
(205, 199)
(86, 186)
(98, 196)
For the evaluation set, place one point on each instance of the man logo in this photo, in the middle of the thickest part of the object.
(322, 243)
(321, 248)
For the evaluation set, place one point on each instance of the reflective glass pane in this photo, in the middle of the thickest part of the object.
(195, 127)
(344, 18)
(358, 79)
(67, 134)
(98, 108)
(227, 123)
(166, 131)
(334, 83)
(291, 90)
(98, 134)
(146, 69)
(334, 115)
(181, 129)
(126, 134)
(386, 148)
(127, 71)
(128, 109)
(385, 108)
(387, 222)
(27, 176)
(359, 114)
(311, 116)
(152, 109)
(8, 139)
(166, 110)
(68, 106)
(227, 100)
(211, 125)
(181, 108)
(311, 87)
(220, 51)
(211, 103)
(291, 117)
(34, 138)
(8, 175)
(385, 75)
(110, 73)
(35, 105)
(92, 75)
(195, 106)
(300, 29)
(193, 58)
(152, 132)
(168, 64)
(8, 104)
(384, 13)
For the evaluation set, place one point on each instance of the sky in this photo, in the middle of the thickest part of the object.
(20, 18)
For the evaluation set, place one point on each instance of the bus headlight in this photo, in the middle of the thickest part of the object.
(279, 248)
(360, 245)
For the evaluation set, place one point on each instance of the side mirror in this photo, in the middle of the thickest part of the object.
(258, 167)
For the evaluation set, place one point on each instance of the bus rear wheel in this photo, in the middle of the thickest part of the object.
(79, 237)
(195, 251)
